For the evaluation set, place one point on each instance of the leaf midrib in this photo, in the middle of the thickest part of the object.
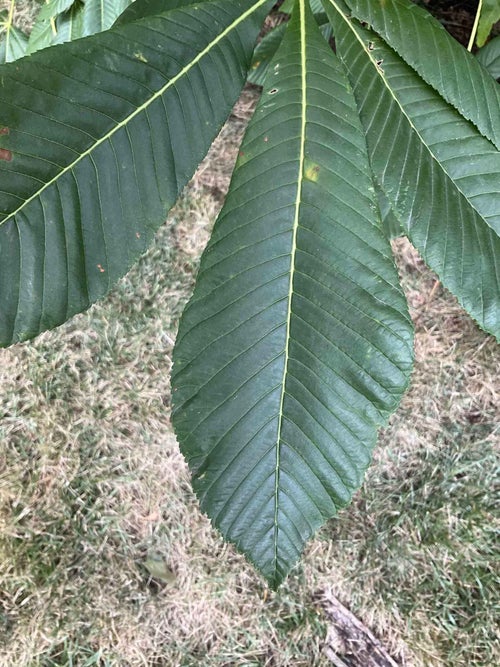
(159, 93)
(298, 201)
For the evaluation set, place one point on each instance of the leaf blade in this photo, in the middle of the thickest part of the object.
(65, 152)
(296, 343)
(490, 14)
(13, 43)
(441, 61)
(438, 172)
(489, 57)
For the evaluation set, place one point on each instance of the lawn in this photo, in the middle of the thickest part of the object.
(105, 558)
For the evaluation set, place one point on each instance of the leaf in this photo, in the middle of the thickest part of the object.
(264, 53)
(490, 14)
(296, 344)
(267, 47)
(13, 42)
(53, 8)
(99, 15)
(83, 19)
(138, 10)
(439, 173)
(489, 57)
(54, 24)
(288, 6)
(390, 223)
(98, 137)
(159, 569)
(441, 61)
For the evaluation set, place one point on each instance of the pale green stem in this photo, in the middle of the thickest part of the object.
(474, 27)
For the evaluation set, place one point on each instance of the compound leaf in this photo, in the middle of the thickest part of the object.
(296, 344)
(97, 139)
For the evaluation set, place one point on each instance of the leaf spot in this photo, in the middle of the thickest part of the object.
(5, 155)
(371, 46)
(140, 56)
(101, 269)
(273, 91)
(311, 171)
(4, 130)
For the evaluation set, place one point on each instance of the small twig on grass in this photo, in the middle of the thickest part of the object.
(360, 648)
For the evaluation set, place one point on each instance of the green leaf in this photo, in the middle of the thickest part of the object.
(13, 42)
(98, 137)
(391, 224)
(267, 47)
(99, 15)
(440, 60)
(296, 344)
(53, 8)
(288, 6)
(439, 173)
(264, 53)
(83, 19)
(490, 14)
(138, 10)
(489, 57)
(64, 28)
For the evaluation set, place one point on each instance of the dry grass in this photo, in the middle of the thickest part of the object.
(25, 12)
(105, 558)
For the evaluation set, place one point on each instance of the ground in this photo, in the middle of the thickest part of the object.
(105, 558)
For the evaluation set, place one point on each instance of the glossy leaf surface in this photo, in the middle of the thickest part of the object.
(296, 344)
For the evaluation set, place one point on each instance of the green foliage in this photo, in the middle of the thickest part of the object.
(65, 20)
(296, 345)
(489, 57)
(490, 14)
(296, 341)
(13, 42)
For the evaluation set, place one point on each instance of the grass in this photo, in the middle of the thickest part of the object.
(105, 558)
